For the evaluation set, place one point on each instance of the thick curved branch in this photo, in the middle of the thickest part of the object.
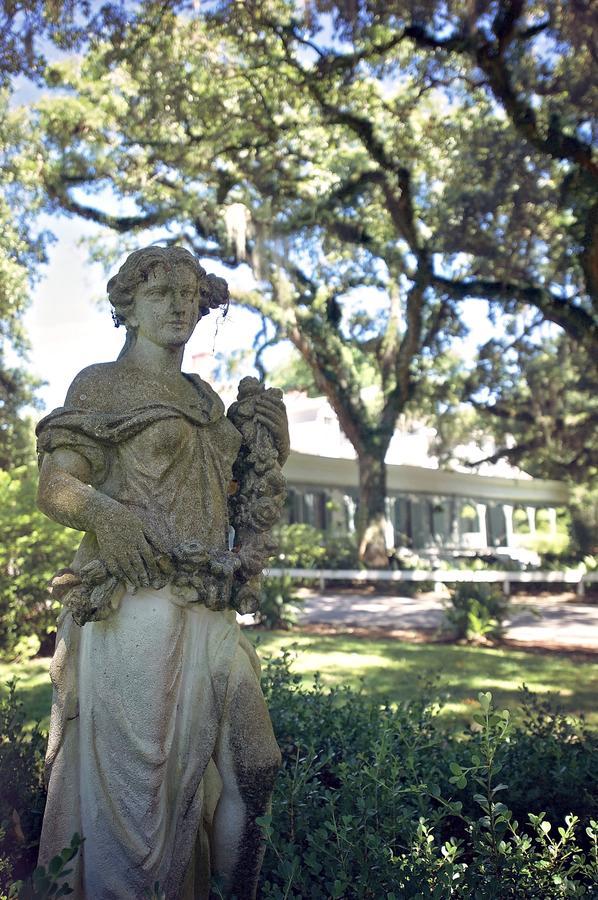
(511, 453)
(489, 56)
(121, 224)
(574, 320)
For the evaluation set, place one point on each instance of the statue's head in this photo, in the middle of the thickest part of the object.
(142, 265)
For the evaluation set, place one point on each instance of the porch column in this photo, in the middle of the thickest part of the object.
(531, 519)
(453, 529)
(508, 514)
(351, 507)
(389, 528)
(482, 524)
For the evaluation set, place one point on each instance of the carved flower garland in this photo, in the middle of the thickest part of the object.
(256, 505)
(220, 578)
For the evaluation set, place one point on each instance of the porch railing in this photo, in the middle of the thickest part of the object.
(442, 576)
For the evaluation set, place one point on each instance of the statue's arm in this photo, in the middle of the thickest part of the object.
(64, 492)
(65, 495)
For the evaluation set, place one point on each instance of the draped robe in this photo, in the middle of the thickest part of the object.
(139, 697)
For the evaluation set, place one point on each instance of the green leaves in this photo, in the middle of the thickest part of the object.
(46, 882)
(485, 700)
(32, 549)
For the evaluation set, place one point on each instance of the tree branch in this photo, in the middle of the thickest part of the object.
(489, 56)
(511, 453)
(117, 223)
(574, 320)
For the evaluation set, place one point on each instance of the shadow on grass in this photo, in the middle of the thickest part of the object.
(396, 670)
(392, 670)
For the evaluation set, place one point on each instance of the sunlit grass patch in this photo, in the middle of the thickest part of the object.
(395, 671)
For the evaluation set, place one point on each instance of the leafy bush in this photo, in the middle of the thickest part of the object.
(376, 802)
(306, 547)
(405, 559)
(482, 562)
(300, 547)
(341, 552)
(22, 796)
(546, 543)
(476, 611)
(278, 604)
(45, 883)
(32, 549)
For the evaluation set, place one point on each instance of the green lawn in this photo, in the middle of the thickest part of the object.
(394, 670)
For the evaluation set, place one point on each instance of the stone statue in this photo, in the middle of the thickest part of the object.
(161, 752)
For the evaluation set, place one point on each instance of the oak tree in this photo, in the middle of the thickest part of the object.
(377, 165)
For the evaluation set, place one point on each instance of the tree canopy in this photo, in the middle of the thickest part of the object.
(378, 165)
(21, 252)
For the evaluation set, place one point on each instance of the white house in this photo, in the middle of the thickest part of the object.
(429, 509)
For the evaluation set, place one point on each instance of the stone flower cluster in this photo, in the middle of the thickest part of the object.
(257, 502)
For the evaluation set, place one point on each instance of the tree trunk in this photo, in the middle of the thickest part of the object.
(371, 519)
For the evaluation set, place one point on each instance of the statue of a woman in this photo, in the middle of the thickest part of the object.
(161, 753)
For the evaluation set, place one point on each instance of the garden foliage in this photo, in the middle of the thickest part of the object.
(376, 802)
(305, 547)
(32, 548)
(381, 802)
(22, 796)
(476, 612)
(278, 604)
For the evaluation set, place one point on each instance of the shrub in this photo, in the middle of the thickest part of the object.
(482, 562)
(278, 604)
(306, 547)
(22, 797)
(300, 547)
(378, 802)
(476, 612)
(32, 549)
(375, 801)
(341, 552)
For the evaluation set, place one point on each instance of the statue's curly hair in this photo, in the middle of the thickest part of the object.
(213, 291)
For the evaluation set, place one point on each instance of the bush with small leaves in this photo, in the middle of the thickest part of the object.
(378, 801)
(476, 612)
(305, 547)
(46, 883)
(22, 797)
(32, 548)
(279, 604)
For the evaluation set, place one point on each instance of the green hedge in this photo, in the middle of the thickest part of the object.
(380, 802)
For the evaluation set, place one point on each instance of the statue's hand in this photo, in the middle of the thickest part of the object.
(271, 412)
(123, 546)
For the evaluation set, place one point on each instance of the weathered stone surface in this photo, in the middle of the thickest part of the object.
(161, 752)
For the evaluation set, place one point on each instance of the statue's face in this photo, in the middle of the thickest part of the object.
(166, 306)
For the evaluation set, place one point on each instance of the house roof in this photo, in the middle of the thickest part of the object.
(325, 472)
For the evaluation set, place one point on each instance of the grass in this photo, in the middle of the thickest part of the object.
(395, 670)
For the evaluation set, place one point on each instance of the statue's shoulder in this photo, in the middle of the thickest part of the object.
(96, 387)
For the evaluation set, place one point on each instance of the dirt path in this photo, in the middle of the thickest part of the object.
(535, 621)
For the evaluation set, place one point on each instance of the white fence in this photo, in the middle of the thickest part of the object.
(442, 576)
